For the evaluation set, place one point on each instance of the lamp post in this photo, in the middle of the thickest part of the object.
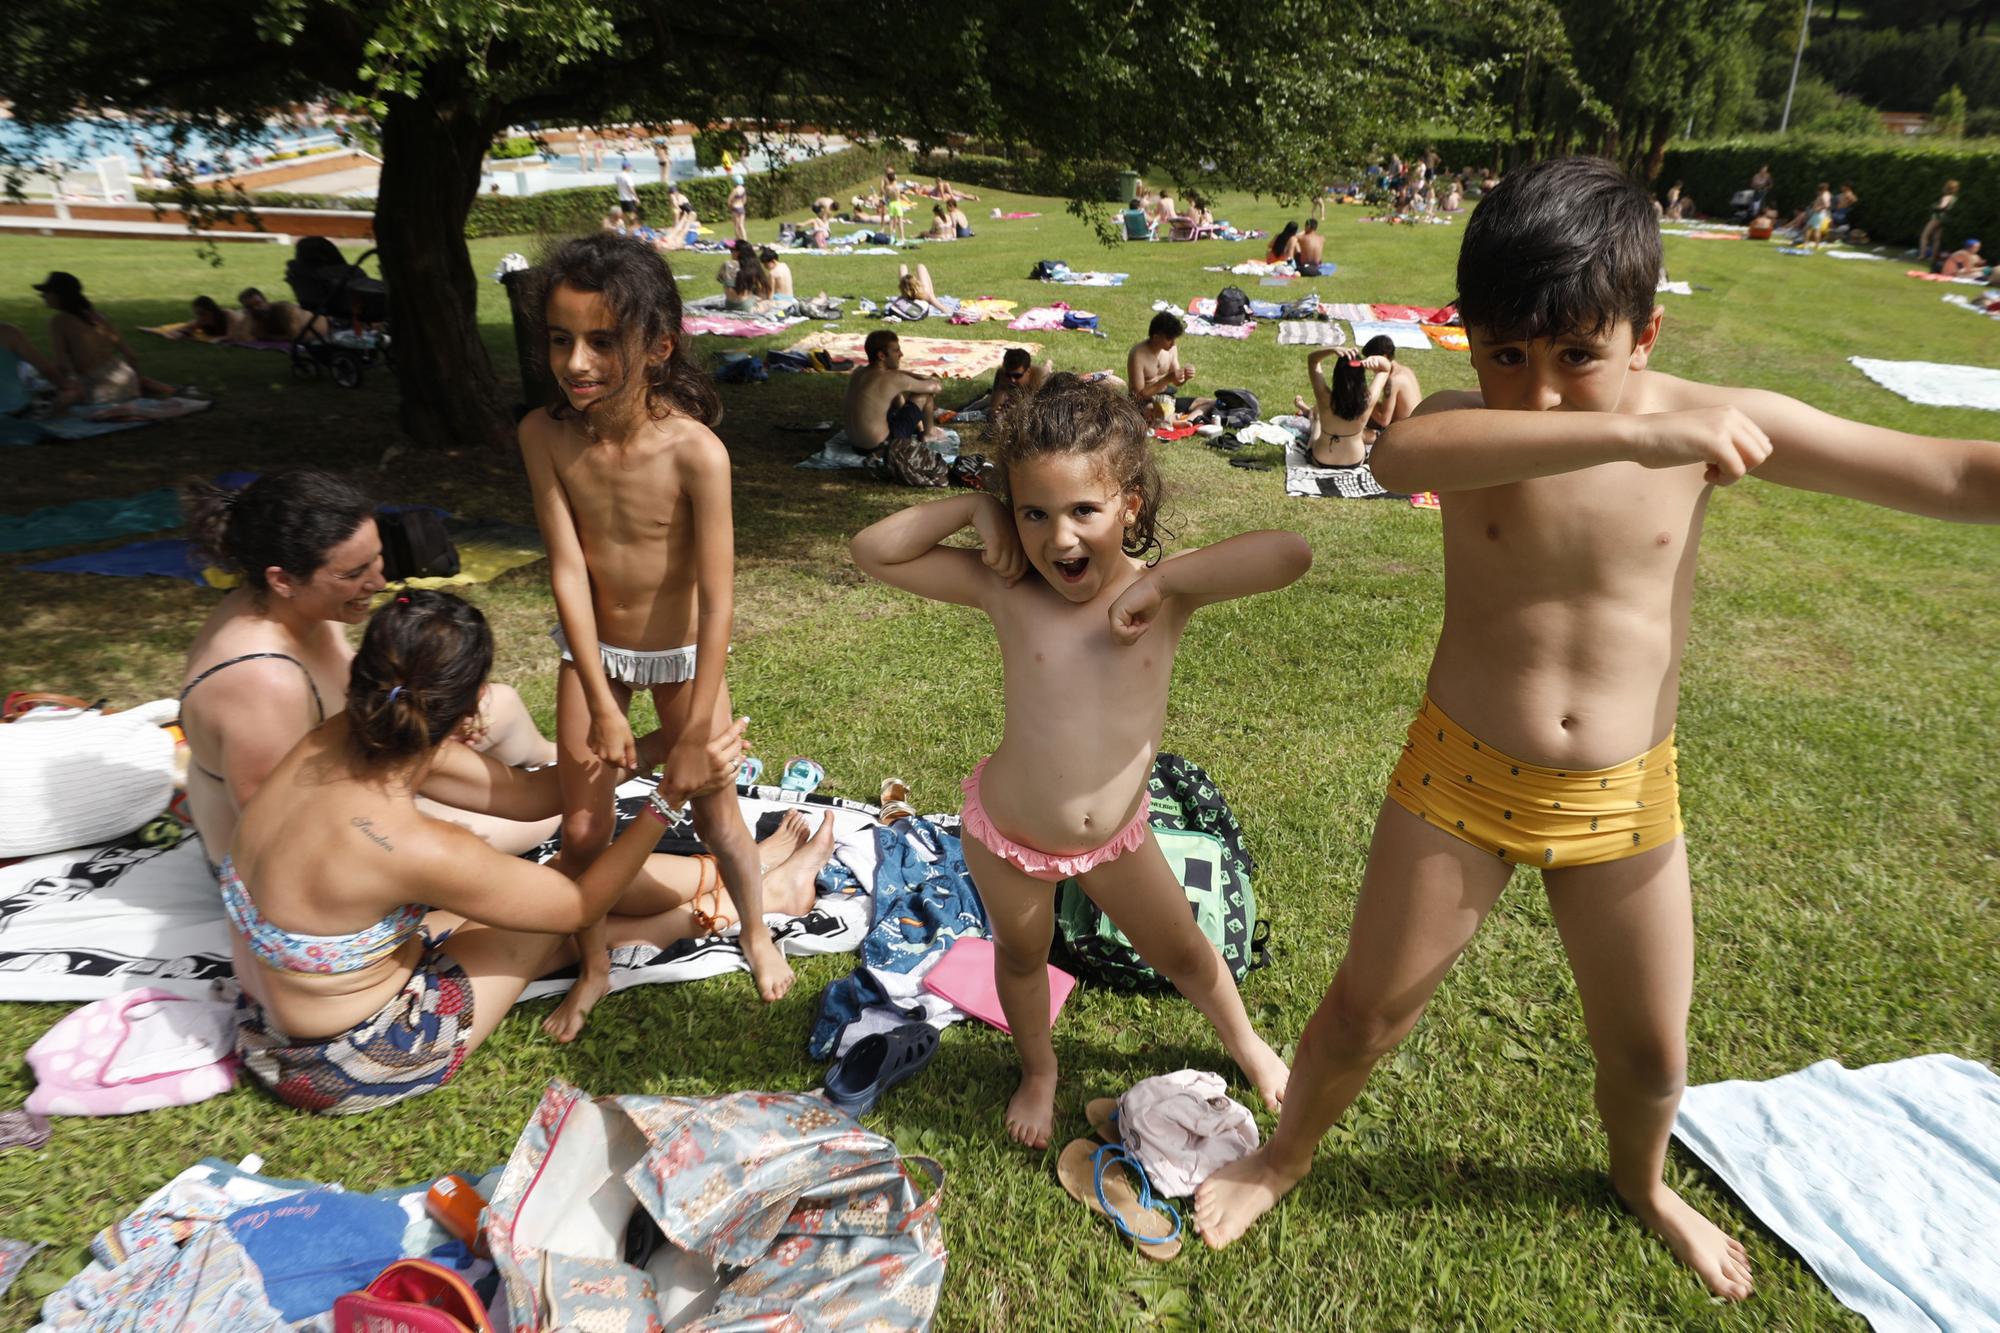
(1786, 117)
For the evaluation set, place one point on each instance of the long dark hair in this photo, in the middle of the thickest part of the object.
(417, 676)
(1284, 238)
(646, 302)
(1349, 387)
(286, 519)
(1068, 416)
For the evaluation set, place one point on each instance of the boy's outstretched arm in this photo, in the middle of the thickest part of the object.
(1817, 451)
(903, 549)
(1452, 443)
(1240, 566)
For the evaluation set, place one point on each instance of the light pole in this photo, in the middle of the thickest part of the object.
(1786, 117)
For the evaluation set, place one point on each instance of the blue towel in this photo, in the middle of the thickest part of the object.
(91, 520)
(1886, 1180)
(314, 1248)
(172, 557)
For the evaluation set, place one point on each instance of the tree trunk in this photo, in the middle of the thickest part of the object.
(431, 150)
(1656, 152)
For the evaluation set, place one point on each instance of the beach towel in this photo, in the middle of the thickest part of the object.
(1310, 333)
(485, 551)
(1349, 311)
(1415, 314)
(1706, 235)
(91, 520)
(1403, 335)
(1198, 327)
(1851, 254)
(98, 921)
(1303, 477)
(85, 422)
(1939, 277)
(835, 454)
(165, 557)
(946, 358)
(1446, 337)
(1090, 279)
(1935, 384)
(186, 332)
(739, 326)
(1977, 305)
(1255, 268)
(1674, 288)
(1015, 217)
(1885, 1179)
(1041, 319)
(982, 308)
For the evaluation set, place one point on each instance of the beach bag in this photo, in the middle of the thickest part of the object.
(1203, 845)
(76, 777)
(1231, 307)
(911, 462)
(1079, 319)
(747, 1210)
(1047, 270)
(879, 238)
(414, 1295)
(415, 545)
(1235, 408)
(906, 309)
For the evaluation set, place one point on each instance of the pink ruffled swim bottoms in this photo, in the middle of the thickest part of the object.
(1045, 866)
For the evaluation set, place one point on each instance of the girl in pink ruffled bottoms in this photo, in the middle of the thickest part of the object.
(1087, 629)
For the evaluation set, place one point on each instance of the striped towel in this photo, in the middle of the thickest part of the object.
(1311, 333)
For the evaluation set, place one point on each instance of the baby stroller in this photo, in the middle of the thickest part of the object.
(350, 330)
(1745, 205)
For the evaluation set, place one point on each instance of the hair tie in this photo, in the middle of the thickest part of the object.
(394, 691)
(402, 601)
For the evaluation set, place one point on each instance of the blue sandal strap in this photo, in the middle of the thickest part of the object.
(1115, 1154)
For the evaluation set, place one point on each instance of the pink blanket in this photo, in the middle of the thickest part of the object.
(734, 326)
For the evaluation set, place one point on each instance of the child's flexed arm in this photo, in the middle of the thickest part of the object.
(1251, 562)
(903, 549)
(610, 734)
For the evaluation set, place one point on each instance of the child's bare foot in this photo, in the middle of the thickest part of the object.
(592, 984)
(1717, 1258)
(1031, 1111)
(784, 840)
(1266, 1072)
(768, 967)
(788, 884)
(1234, 1197)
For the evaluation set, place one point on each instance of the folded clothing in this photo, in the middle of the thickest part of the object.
(1183, 1127)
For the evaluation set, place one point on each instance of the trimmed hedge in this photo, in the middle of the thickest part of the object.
(1898, 181)
(1029, 175)
(788, 190)
(226, 199)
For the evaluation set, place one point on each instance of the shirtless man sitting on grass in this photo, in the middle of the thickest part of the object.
(1575, 481)
(1400, 396)
(1310, 246)
(1153, 370)
(884, 402)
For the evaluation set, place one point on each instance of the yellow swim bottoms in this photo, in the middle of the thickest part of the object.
(1529, 815)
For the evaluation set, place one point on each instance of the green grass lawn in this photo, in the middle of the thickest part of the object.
(1843, 811)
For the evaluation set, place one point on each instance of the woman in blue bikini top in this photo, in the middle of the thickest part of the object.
(336, 884)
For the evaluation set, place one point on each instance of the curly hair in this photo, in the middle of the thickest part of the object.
(422, 663)
(1068, 416)
(645, 301)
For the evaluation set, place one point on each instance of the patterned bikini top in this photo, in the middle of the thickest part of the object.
(287, 951)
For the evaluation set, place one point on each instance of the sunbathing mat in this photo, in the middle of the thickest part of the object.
(1403, 335)
(1884, 1179)
(1977, 305)
(1305, 477)
(185, 332)
(83, 422)
(1310, 333)
(947, 358)
(1933, 383)
(91, 520)
(84, 924)
(485, 552)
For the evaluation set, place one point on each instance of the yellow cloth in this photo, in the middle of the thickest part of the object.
(1530, 815)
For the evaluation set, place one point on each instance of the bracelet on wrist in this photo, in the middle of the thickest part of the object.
(668, 815)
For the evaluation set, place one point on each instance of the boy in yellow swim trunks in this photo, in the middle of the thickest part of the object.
(1575, 482)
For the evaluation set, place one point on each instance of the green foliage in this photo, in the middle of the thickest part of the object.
(1897, 180)
(1948, 115)
(508, 150)
(1818, 109)
(1983, 123)
(710, 145)
(1905, 71)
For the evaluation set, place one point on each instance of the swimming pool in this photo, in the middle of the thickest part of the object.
(79, 143)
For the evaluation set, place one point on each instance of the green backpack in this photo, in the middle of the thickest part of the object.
(1203, 844)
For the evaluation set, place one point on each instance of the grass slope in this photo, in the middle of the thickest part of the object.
(1844, 815)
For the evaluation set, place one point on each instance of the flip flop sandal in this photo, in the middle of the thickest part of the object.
(877, 1063)
(1102, 1112)
(802, 775)
(1152, 1225)
(749, 771)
